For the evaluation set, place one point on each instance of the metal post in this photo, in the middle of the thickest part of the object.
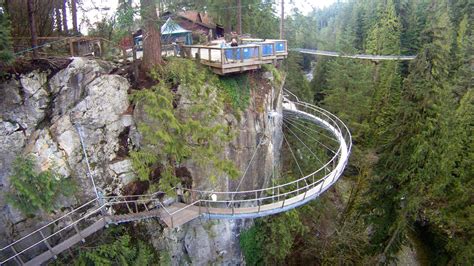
(77, 230)
(47, 244)
(17, 256)
(321, 188)
(136, 206)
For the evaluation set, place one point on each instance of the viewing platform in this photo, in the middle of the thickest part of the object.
(251, 54)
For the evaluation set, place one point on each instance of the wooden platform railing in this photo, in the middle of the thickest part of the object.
(246, 56)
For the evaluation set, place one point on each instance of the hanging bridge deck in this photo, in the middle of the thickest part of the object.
(356, 56)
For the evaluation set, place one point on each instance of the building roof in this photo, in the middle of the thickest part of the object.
(171, 27)
(198, 17)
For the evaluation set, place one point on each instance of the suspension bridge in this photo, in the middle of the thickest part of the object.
(327, 140)
(355, 56)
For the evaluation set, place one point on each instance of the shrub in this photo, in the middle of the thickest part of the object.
(33, 190)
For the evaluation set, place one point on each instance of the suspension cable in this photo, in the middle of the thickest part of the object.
(313, 138)
(294, 157)
(297, 121)
(294, 134)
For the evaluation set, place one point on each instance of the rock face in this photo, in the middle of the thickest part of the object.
(43, 116)
(256, 151)
(48, 117)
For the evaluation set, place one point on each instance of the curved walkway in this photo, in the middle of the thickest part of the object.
(59, 235)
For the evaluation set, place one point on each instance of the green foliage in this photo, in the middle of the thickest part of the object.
(295, 81)
(411, 123)
(277, 74)
(191, 132)
(6, 51)
(118, 249)
(236, 91)
(33, 190)
(271, 239)
(252, 245)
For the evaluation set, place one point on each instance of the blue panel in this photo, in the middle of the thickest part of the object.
(280, 47)
(248, 52)
(233, 54)
(267, 49)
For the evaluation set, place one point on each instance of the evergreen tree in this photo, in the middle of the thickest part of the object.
(415, 160)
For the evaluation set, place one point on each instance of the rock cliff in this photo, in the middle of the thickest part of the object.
(46, 115)
(41, 115)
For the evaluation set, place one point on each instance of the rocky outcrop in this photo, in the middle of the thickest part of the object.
(43, 116)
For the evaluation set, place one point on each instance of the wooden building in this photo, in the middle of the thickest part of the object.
(200, 23)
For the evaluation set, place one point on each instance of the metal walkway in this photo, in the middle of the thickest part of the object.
(61, 234)
(356, 56)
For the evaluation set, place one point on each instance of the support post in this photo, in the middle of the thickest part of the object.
(222, 57)
(77, 230)
(17, 256)
(71, 47)
(47, 244)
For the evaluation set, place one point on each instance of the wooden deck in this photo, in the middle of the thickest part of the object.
(247, 56)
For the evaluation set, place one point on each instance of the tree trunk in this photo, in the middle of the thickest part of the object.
(151, 35)
(282, 20)
(239, 17)
(31, 20)
(74, 16)
(57, 10)
(64, 11)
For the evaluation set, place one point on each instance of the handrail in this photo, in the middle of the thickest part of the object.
(48, 224)
(55, 233)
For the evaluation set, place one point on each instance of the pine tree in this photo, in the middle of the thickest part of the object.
(384, 38)
(415, 160)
